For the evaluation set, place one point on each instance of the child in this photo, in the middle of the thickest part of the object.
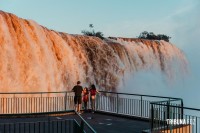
(85, 97)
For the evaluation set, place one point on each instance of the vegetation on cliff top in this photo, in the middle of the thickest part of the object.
(143, 35)
(92, 32)
(152, 36)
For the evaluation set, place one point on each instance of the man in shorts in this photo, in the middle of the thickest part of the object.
(78, 96)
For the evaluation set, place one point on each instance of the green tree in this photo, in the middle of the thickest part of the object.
(92, 32)
(152, 36)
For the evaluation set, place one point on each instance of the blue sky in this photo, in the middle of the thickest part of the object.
(113, 17)
(179, 19)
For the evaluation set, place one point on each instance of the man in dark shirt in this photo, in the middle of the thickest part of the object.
(78, 96)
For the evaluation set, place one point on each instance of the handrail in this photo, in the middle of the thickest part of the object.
(137, 106)
(195, 109)
(99, 91)
(171, 112)
(85, 122)
(171, 100)
(34, 92)
(141, 95)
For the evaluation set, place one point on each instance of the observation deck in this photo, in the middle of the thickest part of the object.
(52, 112)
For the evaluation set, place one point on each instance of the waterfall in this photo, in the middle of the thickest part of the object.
(34, 58)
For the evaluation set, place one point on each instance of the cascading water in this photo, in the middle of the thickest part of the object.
(34, 58)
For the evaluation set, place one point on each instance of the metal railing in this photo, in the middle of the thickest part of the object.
(84, 126)
(40, 103)
(54, 126)
(167, 117)
(136, 105)
(35, 102)
(51, 102)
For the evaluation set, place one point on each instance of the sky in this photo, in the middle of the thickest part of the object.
(180, 19)
(113, 17)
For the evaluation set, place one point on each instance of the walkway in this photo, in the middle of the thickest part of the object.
(102, 123)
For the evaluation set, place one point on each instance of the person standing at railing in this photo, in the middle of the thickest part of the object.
(93, 92)
(85, 97)
(78, 96)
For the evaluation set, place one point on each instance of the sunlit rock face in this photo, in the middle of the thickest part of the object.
(34, 58)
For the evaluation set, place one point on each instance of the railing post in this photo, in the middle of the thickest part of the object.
(14, 105)
(141, 107)
(168, 111)
(82, 126)
(168, 114)
(65, 101)
(41, 106)
(152, 116)
(182, 109)
(117, 103)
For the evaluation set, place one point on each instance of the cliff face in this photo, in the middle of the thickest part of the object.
(34, 58)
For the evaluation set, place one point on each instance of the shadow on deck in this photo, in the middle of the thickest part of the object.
(105, 123)
(101, 122)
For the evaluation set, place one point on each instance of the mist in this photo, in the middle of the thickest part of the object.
(185, 31)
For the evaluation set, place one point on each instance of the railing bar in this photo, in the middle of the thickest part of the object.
(9, 128)
(189, 123)
(140, 95)
(53, 126)
(29, 127)
(57, 99)
(159, 119)
(61, 126)
(54, 108)
(196, 124)
(21, 103)
(134, 106)
(50, 104)
(6, 105)
(3, 106)
(146, 108)
(57, 126)
(33, 105)
(65, 127)
(138, 107)
(47, 104)
(24, 127)
(11, 104)
(178, 107)
(56, 102)
(107, 103)
(9, 93)
(26, 105)
(44, 126)
(59, 103)
(128, 106)
(39, 107)
(125, 105)
(113, 104)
